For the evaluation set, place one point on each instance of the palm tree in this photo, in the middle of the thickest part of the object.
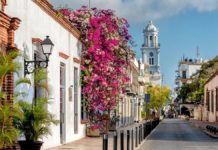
(8, 133)
(37, 118)
(8, 65)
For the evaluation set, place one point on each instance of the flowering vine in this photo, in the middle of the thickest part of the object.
(104, 60)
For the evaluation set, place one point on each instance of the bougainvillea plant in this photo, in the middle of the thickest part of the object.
(104, 60)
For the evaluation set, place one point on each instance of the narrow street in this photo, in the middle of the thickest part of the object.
(175, 134)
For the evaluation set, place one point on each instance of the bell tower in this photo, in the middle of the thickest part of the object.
(151, 52)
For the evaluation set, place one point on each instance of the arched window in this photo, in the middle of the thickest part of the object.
(151, 58)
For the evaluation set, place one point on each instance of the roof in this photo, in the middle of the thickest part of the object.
(49, 9)
(214, 75)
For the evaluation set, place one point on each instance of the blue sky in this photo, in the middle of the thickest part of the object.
(183, 25)
(180, 35)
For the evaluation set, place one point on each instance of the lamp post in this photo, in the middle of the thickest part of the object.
(30, 66)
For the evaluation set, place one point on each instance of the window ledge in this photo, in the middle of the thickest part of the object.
(84, 121)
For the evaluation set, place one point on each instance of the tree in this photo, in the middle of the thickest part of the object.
(159, 96)
(104, 62)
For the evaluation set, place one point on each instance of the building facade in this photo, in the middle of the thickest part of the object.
(151, 53)
(128, 109)
(39, 19)
(186, 69)
(210, 111)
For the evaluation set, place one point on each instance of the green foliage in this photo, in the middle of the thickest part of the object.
(194, 91)
(36, 121)
(37, 118)
(143, 114)
(7, 64)
(159, 96)
(8, 133)
(8, 110)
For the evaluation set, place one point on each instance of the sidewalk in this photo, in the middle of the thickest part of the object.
(202, 125)
(87, 143)
(94, 143)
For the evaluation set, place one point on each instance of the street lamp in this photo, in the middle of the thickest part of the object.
(30, 66)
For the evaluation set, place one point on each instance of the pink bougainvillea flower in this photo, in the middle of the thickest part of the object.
(104, 60)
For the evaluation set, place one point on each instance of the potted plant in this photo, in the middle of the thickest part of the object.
(8, 133)
(37, 119)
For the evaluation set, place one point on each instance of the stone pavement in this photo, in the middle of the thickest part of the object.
(87, 143)
(95, 143)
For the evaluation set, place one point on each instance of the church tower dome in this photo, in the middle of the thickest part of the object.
(151, 52)
(150, 27)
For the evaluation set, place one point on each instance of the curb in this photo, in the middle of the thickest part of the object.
(210, 134)
(204, 130)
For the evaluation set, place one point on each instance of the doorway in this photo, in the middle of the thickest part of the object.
(62, 101)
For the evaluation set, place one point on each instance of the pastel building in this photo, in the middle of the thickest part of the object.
(210, 112)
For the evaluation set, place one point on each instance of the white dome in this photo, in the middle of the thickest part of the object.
(150, 27)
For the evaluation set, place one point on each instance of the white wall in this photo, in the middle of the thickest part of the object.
(190, 70)
(36, 23)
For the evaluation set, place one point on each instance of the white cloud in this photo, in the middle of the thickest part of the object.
(140, 10)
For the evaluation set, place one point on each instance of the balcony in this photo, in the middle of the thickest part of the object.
(153, 45)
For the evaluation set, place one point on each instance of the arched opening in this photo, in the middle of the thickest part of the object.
(151, 58)
(185, 111)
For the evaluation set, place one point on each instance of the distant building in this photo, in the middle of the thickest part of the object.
(151, 53)
(187, 68)
(210, 111)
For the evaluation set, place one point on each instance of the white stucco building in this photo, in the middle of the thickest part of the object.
(151, 53)
(39, 19)
(187, 68)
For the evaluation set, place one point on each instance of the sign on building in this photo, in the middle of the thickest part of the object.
(147, 98)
